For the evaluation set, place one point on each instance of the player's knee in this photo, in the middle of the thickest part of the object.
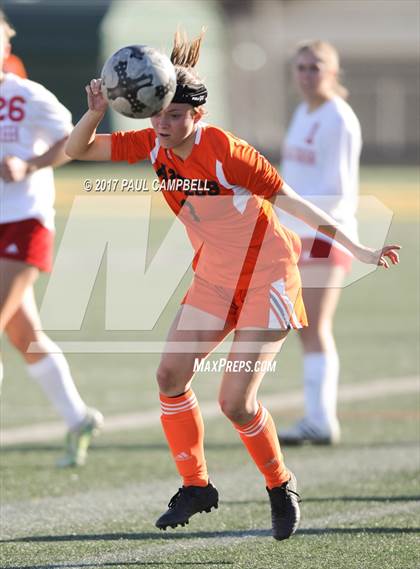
(235, 410)
(169, 381)
(19, 340)
(313, 340)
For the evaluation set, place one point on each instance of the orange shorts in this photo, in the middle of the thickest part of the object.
(276, 306)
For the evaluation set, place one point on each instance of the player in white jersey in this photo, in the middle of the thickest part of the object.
(34, 128)
(321, 162)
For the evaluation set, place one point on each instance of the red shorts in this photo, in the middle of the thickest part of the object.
(320, 252)
(277, 305)
(28, 241)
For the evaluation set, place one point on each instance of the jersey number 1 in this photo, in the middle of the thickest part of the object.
(191, 208)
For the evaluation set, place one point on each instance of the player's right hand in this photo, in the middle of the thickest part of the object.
(13, 169)
(96, 101)
(381, 257)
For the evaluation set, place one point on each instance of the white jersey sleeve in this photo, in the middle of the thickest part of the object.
(51, 119)
(32, 120)
(321, 163)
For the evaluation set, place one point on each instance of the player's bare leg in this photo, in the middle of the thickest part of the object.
(321, 364)
(238, 390)
(47, 366)
(193, 334)
(181, 417)
(15, 277)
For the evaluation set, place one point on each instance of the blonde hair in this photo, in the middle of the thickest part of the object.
(8, 30)
(328, 54)
(185, 55)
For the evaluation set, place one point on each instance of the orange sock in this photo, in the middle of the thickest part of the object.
(184, 429)
(260, 438)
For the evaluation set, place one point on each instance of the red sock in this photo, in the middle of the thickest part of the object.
(184, 429)
(260, 438)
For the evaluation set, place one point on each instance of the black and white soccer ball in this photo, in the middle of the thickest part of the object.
(138, 81)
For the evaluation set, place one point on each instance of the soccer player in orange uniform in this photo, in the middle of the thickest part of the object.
(246, 279)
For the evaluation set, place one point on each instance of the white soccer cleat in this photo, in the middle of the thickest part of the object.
(306, 432)
(78, 440)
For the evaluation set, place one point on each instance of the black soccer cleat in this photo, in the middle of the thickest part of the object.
(285, 511)
(189, 500)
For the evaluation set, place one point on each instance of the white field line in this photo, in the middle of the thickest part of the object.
(236, 537)
(42, 432)
(141, 502)
(132, 551)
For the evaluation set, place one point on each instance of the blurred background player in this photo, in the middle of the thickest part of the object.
(11, 62)
(34, 128)
(14, 64)
(321, 162)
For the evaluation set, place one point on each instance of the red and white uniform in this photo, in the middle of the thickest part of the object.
(321, 163)
(238, 241)
(31, 121)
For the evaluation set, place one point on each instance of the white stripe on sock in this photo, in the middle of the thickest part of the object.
(255, 429)
(174, 408)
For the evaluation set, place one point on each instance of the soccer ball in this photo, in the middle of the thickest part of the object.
(138, 81)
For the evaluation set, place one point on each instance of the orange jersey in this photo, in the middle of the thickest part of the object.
(222, 197)
(13, 64)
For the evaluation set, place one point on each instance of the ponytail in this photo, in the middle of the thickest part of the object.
(185, 52)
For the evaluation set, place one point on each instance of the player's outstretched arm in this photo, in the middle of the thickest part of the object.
(289, 201)
(84, 143)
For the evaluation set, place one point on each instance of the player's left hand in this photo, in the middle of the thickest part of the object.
(382, 257)
(13, 169)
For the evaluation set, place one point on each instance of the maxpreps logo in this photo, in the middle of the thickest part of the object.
(170, 180)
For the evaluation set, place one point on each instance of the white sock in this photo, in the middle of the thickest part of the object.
(320, 375)
(52, 373)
